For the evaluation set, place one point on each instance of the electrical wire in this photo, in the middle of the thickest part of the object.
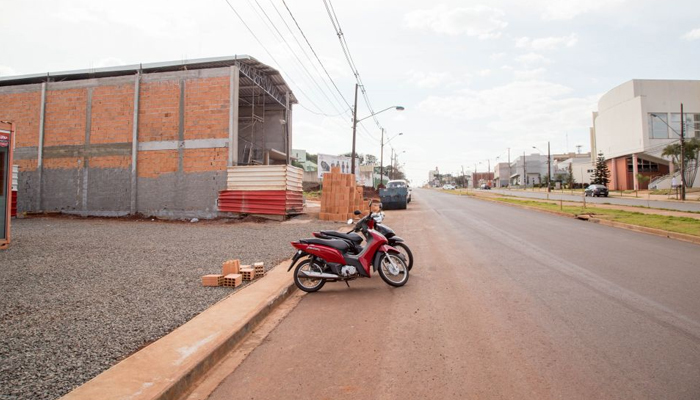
(270, 54)
(291, 51)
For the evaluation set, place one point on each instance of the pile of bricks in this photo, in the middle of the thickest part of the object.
(341, 197)
(233, 274)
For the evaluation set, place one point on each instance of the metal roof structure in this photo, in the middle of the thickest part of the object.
(254, 75)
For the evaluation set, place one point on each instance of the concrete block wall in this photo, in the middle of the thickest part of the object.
(82, 161)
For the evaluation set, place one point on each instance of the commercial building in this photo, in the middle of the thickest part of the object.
(153, 139)
(636, 121)
(501, 174)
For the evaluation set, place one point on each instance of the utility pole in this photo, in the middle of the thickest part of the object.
(488, 173)
(464, 183)
(524, 171)
(391, 172)
(549, 170)
(509, 172)
(682, 155)
(475, 179)
(354, 130)
(381, 162)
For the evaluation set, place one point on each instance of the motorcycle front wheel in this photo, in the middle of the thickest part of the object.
(403, 248)
(305, 283)
(393, 270)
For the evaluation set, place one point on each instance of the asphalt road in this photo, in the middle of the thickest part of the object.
(502, 303)
(640, 202)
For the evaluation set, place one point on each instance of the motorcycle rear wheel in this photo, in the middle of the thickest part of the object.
(393, 270)
(308, 285)
(403, 248)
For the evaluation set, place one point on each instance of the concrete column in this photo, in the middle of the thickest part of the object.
(635, 171)
(614, 185)
(40, 154)
(234, 87)
(135, 146)
(86, 146)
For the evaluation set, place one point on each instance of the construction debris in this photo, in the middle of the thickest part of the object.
(341, 197)
(234, 274)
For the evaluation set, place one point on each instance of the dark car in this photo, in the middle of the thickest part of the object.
(485, 187)
(596, 191)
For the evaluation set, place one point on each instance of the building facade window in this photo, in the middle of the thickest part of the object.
(642, 165)
(657, 126)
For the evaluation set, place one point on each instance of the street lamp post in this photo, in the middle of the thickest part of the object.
(354, 126)
(549, 167)
(682, 135)
(381, 158)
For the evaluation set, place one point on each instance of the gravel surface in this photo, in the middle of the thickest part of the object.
(78, 295)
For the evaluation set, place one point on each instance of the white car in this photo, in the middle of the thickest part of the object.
(448, 187)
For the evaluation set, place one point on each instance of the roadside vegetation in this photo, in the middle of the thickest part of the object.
(689, 226)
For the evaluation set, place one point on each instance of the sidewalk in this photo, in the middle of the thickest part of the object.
(168, 368)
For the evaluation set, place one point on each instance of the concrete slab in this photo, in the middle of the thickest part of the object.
(169, 367)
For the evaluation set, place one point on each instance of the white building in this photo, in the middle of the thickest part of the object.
(636, 120)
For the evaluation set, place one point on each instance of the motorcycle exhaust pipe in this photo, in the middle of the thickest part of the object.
(319, 275)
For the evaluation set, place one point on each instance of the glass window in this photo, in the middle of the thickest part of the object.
(657, 126)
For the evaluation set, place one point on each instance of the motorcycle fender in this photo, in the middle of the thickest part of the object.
(395, 239)
(299, 254)
(385, 249)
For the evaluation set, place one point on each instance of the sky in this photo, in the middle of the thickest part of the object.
(475, 78)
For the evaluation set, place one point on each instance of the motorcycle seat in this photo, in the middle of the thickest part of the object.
(334, 243)
(353, 237)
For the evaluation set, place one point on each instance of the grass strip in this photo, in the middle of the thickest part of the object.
(689, 226)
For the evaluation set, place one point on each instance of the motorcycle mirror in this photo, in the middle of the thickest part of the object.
(350, 221)
(357, 212)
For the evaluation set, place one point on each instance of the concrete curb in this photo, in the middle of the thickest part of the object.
(169, 367)
(651, 231)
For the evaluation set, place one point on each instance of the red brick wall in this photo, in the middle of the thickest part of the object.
(24, 109)
(110, 162)
(152, 164)
(27, 165)
(158, 111)
(205, 160)
(65, 117)
(206, 108)
(63, 163)
(112, 114)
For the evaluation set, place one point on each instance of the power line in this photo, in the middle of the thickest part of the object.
(315, 54)
(270, 54)
(348, 56)
(292, 52)
(306, 54)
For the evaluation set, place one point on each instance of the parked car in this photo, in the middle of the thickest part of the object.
(396, 195)
(596, 190)
(485, 186)
(448, 187)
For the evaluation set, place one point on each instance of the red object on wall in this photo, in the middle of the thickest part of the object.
(267, 202)
(13, 209)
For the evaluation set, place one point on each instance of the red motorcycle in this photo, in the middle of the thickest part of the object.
(332, 260)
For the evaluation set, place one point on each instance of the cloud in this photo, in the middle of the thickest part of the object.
(692, 35)
(497, 56)
(428, 80)
(532, 59)
(477, 21)
(547, 43)
(520, 108)
(431, 80)
(109, 62)
(565, 10)
(7, 71)
(529, 74)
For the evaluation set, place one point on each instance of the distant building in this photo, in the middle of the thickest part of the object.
(635, 121)
(501, 174)
(480, 178)
(300, 157)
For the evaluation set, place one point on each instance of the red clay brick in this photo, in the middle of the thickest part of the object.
(24, 110)
(152, 164)
(65, 117)
(112, 114)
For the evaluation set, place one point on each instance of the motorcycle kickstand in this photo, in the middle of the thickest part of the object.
(347, 283)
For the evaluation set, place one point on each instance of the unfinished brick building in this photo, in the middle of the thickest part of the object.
(152, 139)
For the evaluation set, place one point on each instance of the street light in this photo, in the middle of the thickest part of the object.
(549, 168)
(381, 157)
(682, 135)
(354, 125)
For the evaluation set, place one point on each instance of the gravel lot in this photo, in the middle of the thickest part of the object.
(78, 295)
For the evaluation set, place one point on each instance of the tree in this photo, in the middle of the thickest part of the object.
(692, 148)
(312, 157)
(570, 181)
(601, 175)
(370, 159)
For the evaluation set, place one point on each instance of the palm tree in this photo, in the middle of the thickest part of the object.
(692, 150)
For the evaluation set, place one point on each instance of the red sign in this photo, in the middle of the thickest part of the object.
(4, 140)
